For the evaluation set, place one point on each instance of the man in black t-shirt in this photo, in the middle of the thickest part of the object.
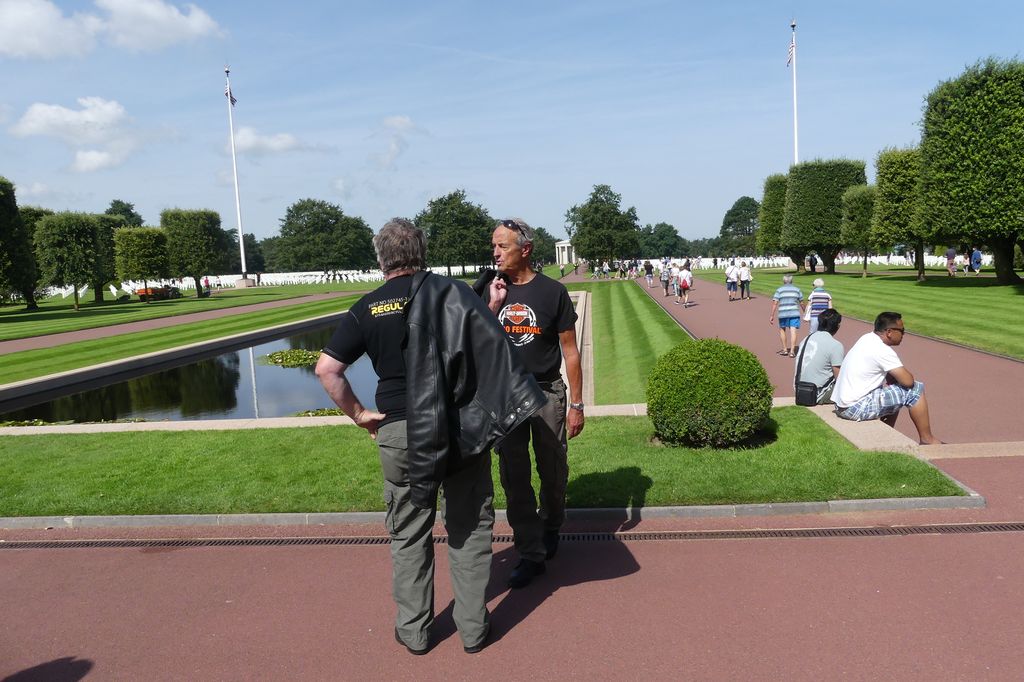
(540, 320)
(375, 325)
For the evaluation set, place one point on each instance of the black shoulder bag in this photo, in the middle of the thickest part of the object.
(806, 391)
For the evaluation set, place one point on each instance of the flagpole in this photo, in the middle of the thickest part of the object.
(796, 135)
(234, 164)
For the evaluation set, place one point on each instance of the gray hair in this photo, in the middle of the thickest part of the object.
(524, 233)
(787, 279)
(400, 245)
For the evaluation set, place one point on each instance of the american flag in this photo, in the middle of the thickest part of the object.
(792, 50)
(227, 93)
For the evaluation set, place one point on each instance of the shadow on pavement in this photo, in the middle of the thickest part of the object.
(67, 669)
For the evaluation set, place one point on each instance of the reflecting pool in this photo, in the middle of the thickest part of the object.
(233, 385)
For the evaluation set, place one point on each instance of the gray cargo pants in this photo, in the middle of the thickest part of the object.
(547, 427)
(467, 508)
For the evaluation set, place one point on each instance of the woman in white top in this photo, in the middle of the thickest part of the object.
(684, 284)
(744, 277)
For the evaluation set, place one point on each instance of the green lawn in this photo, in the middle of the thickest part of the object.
(630, 332)
(612, 464)
(57, 315)
(973, 311)
(43, 361)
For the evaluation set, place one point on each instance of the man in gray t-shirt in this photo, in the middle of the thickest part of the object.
(823, 355)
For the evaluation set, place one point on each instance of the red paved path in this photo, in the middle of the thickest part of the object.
(973, 397)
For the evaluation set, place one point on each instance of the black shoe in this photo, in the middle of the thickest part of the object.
(414, 652)
(551, 538)
(525, 572)
(479, 646)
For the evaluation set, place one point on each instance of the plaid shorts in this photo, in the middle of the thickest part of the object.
(882, 402)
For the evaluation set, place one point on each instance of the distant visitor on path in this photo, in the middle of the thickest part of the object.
(540, 321)
(951, 261)
(744, 277)
(874, 384)
(788, 303)
(732, 278)
(976, 261)
(421, 395)
(820, 356)
(684, 284)
(649, 273)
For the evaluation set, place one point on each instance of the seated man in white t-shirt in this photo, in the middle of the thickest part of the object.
(874, 384)
(821, 356)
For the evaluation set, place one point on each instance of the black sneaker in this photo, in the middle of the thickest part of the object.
(525, 572)
(414, 652)
(551, 538)
(479, 646)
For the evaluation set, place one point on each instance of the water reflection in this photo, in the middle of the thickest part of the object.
(211, 389)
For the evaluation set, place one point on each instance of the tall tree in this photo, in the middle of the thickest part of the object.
(972, 154)
(126, 211)
(858, 208)
(103, 263)
(458, 231)
(771, 215)
(814, 206)
(66, 249)
(660, 240)
(739, 225)
(30, 216)
(254, 259)
(600, 229)
(192, 239)
(897, 216)
(18, 269)
(140, 253)
(317, 235)
(543, 246)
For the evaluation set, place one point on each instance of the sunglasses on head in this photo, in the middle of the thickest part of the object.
(512, 225)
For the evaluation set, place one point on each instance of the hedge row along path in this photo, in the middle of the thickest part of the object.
(973, 397)
(51, 340)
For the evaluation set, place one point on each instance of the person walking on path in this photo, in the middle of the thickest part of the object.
(684, 284)
(874, 384)
(818, 301)
(744, 278)
(649, 273)
(951, 261)
(665, 277)
(541, 323)
(732, 276)
(406, 433)
(976, 261)
(788, 302)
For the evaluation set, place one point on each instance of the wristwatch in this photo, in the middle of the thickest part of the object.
(576, 406)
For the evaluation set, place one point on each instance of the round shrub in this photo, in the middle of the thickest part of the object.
(708, 393)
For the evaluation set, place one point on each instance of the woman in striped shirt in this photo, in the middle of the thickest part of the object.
(818, 301)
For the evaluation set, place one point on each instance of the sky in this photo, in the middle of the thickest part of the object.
(681, 108)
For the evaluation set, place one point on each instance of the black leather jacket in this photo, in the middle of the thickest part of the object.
(465, 387)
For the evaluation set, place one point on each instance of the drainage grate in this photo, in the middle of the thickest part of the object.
(756, 534)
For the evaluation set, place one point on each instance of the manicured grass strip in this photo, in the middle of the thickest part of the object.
(58, 315)
(973, 311)
(630, 332)
(322, 469)
(43, 361)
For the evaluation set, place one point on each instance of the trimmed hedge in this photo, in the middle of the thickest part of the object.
(771, 213)
(708, 393)
(814, 206)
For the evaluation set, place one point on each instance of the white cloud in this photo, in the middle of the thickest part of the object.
(37, 28)
(36, 189)
(248, 141)
(397, 130)
(99, 120)
(149, 25)
(98, 131)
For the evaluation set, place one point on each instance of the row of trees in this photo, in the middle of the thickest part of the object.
(963, 185)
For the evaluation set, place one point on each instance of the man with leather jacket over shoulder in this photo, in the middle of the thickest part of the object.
(449, 387)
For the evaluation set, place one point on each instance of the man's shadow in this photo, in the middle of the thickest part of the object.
(614, 500)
